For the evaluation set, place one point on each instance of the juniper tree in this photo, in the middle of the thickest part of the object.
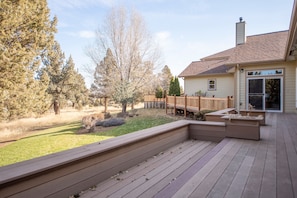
(174, 88)
(26, 31)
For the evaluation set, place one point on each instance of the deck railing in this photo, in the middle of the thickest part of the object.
(197, 103)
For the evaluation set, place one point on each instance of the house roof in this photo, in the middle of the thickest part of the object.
(258, 48)
(205, 68)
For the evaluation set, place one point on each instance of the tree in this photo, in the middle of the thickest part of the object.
(54, 62)
(74, 85)
(125, 41)
(65, 84)
(26, 31)
(174, 88)
(166, 77)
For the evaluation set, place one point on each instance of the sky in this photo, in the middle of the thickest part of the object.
(186, 30)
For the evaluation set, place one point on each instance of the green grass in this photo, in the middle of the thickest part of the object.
(65, 137)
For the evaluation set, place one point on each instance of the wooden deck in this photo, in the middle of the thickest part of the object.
(231, 168)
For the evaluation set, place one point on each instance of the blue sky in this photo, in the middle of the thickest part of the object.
(186, 30)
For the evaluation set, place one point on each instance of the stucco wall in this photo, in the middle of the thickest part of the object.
(224, 86)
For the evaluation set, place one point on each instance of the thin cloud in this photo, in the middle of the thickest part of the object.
(58, 4)
(163, 38)
(87, 34)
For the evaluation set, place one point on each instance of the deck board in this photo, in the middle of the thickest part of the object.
(232, 168)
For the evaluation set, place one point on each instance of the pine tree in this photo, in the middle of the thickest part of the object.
(54, 63)
(65, 83)
(74, 85)
(26, 31)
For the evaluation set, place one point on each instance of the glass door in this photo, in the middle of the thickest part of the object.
(256, 93)
(265, 93)
(273, 94)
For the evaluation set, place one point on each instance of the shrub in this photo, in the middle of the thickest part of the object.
(201, 115)
(111, 122)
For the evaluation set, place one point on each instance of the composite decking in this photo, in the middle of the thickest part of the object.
(231, 168)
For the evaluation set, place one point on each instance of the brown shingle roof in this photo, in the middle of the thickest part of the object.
(258, 48)
(204, 68)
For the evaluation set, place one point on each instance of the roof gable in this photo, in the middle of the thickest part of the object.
(258, 48)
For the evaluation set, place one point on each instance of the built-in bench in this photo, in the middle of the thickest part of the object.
(255, 113)
(216, 116)
(69, 172)
(245, 127)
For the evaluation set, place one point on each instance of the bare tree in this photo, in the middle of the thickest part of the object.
(125, 40)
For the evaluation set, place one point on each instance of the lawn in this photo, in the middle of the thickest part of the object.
(64, 137)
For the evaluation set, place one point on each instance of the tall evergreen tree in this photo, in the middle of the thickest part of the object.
(26, 31)
(65, 83)
(54, 63)
(74, 85)
(174, 88)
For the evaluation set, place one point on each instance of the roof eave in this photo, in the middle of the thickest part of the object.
(204, 75)
(291, 46)
(256, 62)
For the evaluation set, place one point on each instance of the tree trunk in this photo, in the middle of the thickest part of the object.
(57, 107)
(105, 104)
(124, 107)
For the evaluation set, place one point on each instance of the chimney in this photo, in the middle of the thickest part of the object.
(240, 32)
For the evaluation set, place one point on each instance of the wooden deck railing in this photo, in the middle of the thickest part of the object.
(197, 103)
(69, 172)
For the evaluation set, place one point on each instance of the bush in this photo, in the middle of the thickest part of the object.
(201, 115)
(111, 122)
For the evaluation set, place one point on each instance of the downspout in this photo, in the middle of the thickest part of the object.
(238, 88)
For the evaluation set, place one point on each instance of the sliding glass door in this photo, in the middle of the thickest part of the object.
(265, 93)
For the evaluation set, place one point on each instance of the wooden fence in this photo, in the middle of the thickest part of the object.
(197, 103)
(150, 101)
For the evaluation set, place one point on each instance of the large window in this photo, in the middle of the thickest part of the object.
(211, 85)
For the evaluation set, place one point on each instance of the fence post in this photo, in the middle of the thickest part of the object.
(166, 101)
(228, 101)
(199, 103)
(174, 104)
(185, 111)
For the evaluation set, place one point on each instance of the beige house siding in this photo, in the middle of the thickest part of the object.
(290, 87)
(224, 85)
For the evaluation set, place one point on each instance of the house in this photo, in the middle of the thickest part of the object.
(260, 71)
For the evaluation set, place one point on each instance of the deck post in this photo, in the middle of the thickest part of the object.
(185, 111)
(228, 101)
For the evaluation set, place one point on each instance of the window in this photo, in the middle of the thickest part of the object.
(265, 72)
(211, 85)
